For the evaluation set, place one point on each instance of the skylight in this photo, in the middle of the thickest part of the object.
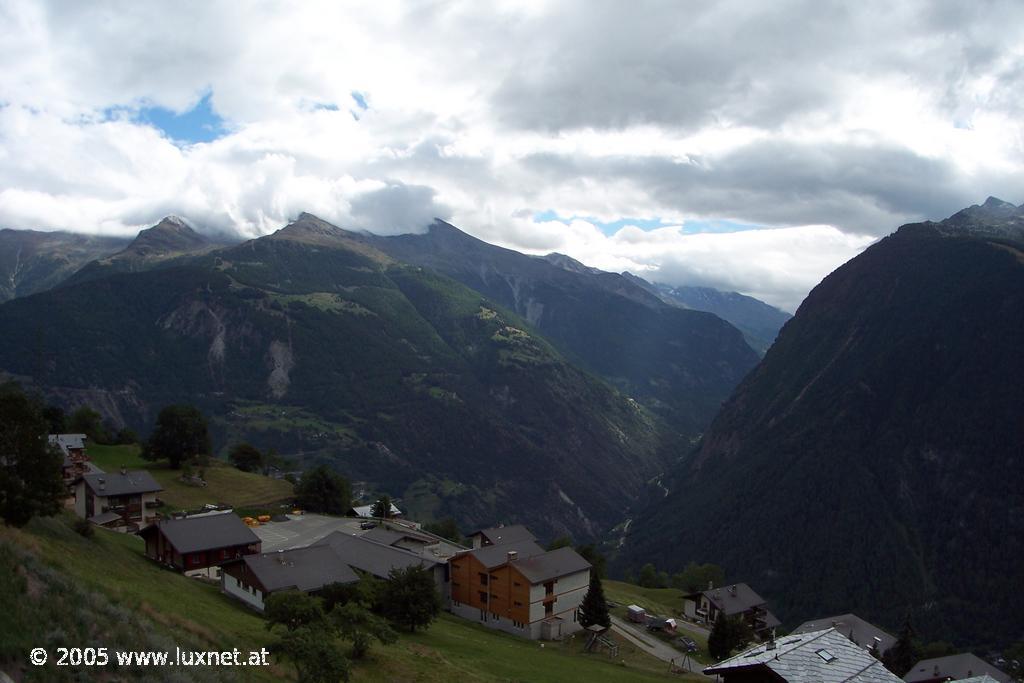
(825, 655)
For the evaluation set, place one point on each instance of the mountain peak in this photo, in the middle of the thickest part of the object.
(171, 234)
(312, 230)
(569, 263)
(994, 218)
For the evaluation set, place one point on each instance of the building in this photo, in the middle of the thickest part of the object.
(518, 587)
(499, 535)
(366, 511)
(131, 495)
(76, 462)
(954, 668)
(337, 558)
(739, 599)
(860, 632)
(825, 656)
(199, 544)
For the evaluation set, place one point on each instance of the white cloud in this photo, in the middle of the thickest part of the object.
(830, 123)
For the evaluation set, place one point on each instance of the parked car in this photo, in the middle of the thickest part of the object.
(367, 525)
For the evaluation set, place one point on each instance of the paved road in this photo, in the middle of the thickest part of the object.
(653, 646)
(302, 530)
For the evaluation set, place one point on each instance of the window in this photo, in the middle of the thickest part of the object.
(483, 578)
(482, 596)
(517, 584)
(549, 609)
(517, 603)
(549, 588)
(825, 655)
(195, 558)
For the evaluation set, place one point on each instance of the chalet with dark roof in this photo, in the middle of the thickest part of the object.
(510, 583)
(72, 448)
(131, 495)
(737, 599)
(954, 668)
(201, 543)
(825, 656)
(860, 632)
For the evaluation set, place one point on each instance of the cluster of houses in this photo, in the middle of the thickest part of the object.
(504, 580)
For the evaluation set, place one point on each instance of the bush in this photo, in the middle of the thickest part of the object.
(84, 528)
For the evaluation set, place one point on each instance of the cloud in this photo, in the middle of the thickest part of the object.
(826, 124)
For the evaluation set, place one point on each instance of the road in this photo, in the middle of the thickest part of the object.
(654, 647)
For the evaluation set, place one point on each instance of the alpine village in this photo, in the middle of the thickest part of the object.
(429, 342)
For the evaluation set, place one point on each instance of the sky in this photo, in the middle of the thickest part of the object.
(749, 146)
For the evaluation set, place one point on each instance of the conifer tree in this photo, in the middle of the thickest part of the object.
(903, 655)
(594, 608)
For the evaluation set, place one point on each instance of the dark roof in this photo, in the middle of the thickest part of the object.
(104, 518)
(853, 627)
(391, 536)
(506, 534)
(492, 556)
(117, 484)
(372, 557)
(551, 565)
(819, 657)
(67, 441)
(305, 569)
(205, 532)
(734, 599)
(955, 667)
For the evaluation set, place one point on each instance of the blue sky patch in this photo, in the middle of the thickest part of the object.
(610, 228)
(199, 124)
(360, 99)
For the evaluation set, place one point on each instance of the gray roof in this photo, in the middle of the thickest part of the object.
(818, 657)
(205, 532)
(492, 556)
(372, 557)
(976, 679)
(305, 569)
(964, 665)
(117, 484)
(506, 534)
(66, 441)
(861, 632)
(367, 510)
(551, 565)
(734, 599)
(104, 518)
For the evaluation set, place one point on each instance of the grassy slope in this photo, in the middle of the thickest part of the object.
(452, 649)
(225, 484)
(665, 602)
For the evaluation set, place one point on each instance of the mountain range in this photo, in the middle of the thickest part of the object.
(872, 461)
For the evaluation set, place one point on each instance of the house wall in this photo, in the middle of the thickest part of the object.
(234, 587)
(80, 499)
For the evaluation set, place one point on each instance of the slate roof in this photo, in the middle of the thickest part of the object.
(104, 518)
(977, 679)
(66, 441)
(853, 627)
(825, 656)
(492, 556)
(305, 569)
(117, 484)
(725, 600)
(964, 665)
(372, 557)
(551, 565)
(205, 532)
(367, 510)
(506, 534)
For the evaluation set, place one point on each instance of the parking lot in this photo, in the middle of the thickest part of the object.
(302, 530)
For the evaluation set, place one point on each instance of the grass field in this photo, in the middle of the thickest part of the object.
(242, 490)
(112, 565)
(665, 602)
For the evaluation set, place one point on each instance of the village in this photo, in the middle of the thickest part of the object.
(499, 577)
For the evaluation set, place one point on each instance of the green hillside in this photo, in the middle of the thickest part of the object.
(102, 591)
(327, 350)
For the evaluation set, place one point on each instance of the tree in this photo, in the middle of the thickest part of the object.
(560, 542)
(87, 421)
(410, 598)
(180, 435)
(648, 577)
(696, 577)
(597, 561)
(382, 508)
(901, 657)
(728, 634)
(314, 654)
(594, 608)
(56, 418)
(446, 528)
(246, 457)
(360, 626)
(294, 610)
(321, 490)
(30, 469)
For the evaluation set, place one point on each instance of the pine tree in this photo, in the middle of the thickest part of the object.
(903, 655)
(594, 608)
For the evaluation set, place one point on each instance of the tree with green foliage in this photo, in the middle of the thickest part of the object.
(410, 598)
(358, 625)
(382, 508)
(314, 653)
(58, 421)
(322, 490)
(560, 542)
(648, 577)
(697, 577)
(594, 608)
(904, 654)
(727, 635)
(246, 457)
(598, 562)
(126, 437)
(294, 609)
(30, 469)
(446, 528)
(87, 421)
(181, 435)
